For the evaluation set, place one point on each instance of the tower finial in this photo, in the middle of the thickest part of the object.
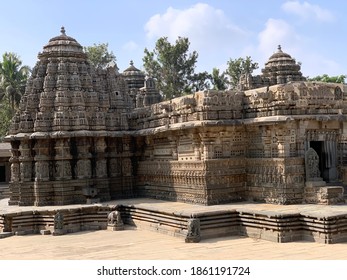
(131, 62)
(279, 48)
(62, 30)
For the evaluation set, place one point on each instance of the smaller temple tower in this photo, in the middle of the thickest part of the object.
(135, 79)
(281, 68)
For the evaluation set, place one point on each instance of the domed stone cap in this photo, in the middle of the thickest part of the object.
(134, 77)
(281, 60)
(62, 45)
(279, 55)
(133, 71)
(281, 68)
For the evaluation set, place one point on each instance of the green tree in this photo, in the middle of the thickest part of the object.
(219, 81)
(238, 67)
(199, 81)
(99, 56)
(13, 78)
(5, 119)
(329, 79)
(173, 67)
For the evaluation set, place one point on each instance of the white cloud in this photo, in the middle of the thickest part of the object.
(278, 32)
(204, 26)
(316, 64)
(308, 11)
(130, 46)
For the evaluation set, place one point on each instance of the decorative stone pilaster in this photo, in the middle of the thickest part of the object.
(100, 168)
(25, 161)
(83, 166)
(63, 156)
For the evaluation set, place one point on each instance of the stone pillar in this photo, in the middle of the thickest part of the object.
(83, 166)
(100, 147)
(63, 189)
(101, 181)
(127, 168)
(25, 161)
(15, 174)
(43, 191)
(26, 195)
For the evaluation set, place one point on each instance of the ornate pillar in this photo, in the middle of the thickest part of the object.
(83, 166)
(25, 161)
(62, 157)
(26, 195)
(100, 168)
(15, 173)
(63, 189)
(42, 187)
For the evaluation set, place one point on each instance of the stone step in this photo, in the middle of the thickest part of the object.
(5, 234)
(4, 192)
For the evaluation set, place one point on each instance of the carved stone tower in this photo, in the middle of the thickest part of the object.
(67, 138)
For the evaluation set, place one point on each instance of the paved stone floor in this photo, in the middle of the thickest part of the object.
(133, 244)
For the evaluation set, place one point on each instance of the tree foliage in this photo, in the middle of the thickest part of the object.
(238, 67)
(199, 81)
(5, 119)
(99, 56)
(219, 80)
(329, 79)
(173, 68)
(13, 78)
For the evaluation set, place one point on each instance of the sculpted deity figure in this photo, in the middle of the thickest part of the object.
(58, 221)
(312, 165)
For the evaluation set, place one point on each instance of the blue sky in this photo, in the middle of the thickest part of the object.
(313, 32)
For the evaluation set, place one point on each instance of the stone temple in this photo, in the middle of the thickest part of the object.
(84, 135)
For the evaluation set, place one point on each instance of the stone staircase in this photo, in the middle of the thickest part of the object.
(4, 191)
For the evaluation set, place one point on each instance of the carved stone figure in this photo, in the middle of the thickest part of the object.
(114, 221)
(312, 165)
(58, 221)
(193, 234)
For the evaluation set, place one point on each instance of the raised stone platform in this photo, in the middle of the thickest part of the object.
(277, 223)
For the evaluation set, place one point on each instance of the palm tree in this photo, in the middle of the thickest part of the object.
(13, 77)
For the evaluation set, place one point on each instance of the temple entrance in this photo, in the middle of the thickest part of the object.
(326, 151)
(2, 174)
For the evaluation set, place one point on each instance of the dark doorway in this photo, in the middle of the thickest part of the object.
(319, 148)
(2, 174)
(327, 153)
